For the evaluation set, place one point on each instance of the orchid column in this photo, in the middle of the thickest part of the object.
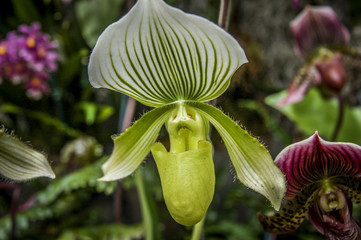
(173, 61)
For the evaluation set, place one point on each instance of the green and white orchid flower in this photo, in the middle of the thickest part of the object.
(173, 61)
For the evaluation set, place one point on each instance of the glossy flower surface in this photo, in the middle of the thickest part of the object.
(174, 62)
(323, 178)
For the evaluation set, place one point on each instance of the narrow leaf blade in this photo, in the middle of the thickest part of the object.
(20, 162)
(132, 146)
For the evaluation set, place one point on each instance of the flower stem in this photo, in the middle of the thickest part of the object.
(223, 18)
(197, 230)
(146, 211)
(339, 118)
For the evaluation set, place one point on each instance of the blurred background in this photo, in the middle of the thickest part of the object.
(60, 114)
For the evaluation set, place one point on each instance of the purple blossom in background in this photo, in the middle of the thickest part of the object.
(316, 30)
(27, 56)
(317, 26)
(323, 179)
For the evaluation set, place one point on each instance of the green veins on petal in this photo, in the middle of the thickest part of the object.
(158, 54)
(132, 146)
(20, 162)
(253, 163)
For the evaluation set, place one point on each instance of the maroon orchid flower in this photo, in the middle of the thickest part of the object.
(318, 38)
(324, 178)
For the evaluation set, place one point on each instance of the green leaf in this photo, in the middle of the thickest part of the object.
(43, 118)
(315, 113)
(20, 162)
(25, 11)
(132, 146)
(95, 112)
(103, 232)
(82, 178)
(253, 163)
(158, 54)
(94, 16)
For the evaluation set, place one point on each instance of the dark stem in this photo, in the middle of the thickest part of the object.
(118, 202)
(339, 117)
(224, 14)
(13, 210)
(127, 109)
(223, 20)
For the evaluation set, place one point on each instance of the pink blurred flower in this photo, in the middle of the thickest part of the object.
(315, 27)
(315, 30)
(37, 85)
(28, 56)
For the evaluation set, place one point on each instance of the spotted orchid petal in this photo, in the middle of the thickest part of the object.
(315, 27)
(20, 162)
(314, 160)
(158, 54)
(292, 214)
(132, 146)
(253, 164)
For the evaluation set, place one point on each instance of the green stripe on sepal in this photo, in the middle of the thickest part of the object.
(188, 181)
(253, 163)
(132, 146)
(158, 54)
(20, 162)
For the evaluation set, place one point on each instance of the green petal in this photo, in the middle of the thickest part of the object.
(188, 181)
(158, 54)
(20, 162)
(292, 214)
(253, 164)
(132, 146)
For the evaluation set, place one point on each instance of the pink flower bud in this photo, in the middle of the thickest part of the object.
(333, 72)
(315, 27)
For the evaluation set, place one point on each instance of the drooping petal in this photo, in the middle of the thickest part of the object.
(307, 77)
(315, 27)
(20, 162)
(158, 54)
(292, 214)
(315, 159)
(253, 164)
(132, 146)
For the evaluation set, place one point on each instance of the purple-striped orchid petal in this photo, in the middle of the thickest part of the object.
(316, 160)
(315, 27)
